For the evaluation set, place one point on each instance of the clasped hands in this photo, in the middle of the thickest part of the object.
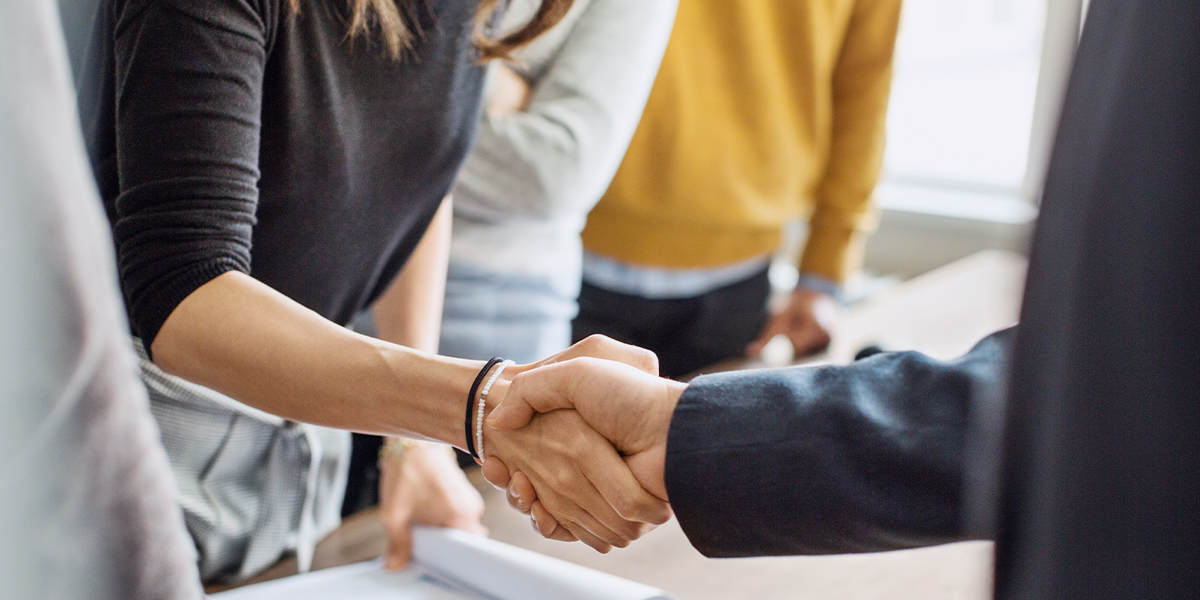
(579, 442)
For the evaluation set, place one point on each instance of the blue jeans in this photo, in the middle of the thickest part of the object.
(490, 314)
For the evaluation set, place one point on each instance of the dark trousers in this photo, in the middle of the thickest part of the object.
(687, 334)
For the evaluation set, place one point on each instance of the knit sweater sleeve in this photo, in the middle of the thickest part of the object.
(558, 156)
(189, 80)
(861, 82)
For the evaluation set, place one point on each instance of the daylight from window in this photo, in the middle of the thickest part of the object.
(963, 93)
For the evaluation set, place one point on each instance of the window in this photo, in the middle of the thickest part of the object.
(974, 95)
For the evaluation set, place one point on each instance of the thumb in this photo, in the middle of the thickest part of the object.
(539, 390)
(399, 551)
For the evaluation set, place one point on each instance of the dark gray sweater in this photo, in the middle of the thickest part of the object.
(233, 135)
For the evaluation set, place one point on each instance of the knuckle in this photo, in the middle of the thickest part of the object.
(626, 505)
(577, 454)
(562, 476)
(662, 516)
(628, 531)
(643, 529)
(631, 531)
(649, 361)
(597, 341)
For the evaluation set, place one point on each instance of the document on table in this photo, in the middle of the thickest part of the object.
(454, 565)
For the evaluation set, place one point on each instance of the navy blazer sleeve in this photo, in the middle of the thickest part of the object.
(864, 457)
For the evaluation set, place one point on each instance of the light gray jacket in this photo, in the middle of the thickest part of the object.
(87, 505)
(524, 193)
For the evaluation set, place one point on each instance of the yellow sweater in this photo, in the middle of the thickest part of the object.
(763, 110)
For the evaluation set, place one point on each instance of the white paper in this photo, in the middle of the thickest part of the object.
(363, 581)
(454, 565)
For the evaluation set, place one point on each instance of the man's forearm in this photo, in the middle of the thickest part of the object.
(864, 457)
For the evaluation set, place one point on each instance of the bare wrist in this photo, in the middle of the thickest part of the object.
(425, 395)
(673, 392)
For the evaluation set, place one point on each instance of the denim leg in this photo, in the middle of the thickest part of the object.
(494, 314)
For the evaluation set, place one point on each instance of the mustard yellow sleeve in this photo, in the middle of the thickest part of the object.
(843, 215)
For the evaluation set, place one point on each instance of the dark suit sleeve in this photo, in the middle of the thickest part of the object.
(836, 459)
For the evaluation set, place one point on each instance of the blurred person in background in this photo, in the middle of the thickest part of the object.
(88, 508)
(558, 119)
(558, 116)
(763, 111)
(1071, 441)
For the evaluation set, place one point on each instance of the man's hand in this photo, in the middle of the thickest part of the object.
(596, 346)
(425, 488)
(629, 407)
(582, 479)
(806, 320)
(579, 478)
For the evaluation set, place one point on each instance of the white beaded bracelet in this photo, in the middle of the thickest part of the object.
(483, 403)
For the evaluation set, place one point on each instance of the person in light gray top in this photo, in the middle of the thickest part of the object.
(87, 505)
(558, 121)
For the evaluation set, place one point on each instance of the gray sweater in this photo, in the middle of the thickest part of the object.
(524, 193)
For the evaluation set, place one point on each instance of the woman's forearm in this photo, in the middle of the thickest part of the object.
(238, 336)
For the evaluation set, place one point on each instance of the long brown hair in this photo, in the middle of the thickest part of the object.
(398, 26)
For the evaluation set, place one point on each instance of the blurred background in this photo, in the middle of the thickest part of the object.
(975, 94)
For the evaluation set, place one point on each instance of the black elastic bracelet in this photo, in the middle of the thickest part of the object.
(471, 405)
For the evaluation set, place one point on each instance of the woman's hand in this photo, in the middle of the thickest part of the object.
(631, 409)
(580, 478)
(426, 487)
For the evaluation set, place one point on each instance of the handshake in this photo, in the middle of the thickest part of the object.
(579, 442)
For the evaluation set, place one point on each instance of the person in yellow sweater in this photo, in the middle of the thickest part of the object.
(763, 110)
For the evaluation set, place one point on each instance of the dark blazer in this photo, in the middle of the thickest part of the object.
(1087, 473)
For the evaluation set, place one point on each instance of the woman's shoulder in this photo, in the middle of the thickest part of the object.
(247, 17)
